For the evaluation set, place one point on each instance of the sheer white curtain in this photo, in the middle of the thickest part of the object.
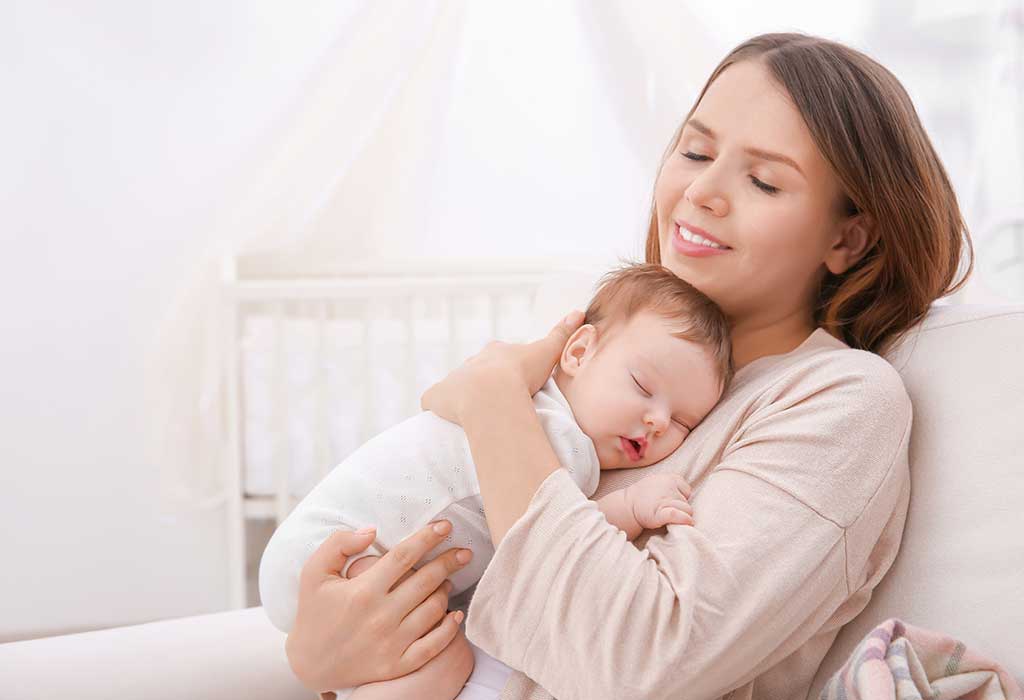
(374, 73)
(434, 129)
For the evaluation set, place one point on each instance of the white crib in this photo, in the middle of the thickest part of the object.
(316, 367)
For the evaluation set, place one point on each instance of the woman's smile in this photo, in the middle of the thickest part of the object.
(693, 247)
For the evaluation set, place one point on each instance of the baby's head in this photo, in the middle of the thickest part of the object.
(651, 359)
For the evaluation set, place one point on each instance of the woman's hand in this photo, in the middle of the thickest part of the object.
(379, 626)
(496, 368)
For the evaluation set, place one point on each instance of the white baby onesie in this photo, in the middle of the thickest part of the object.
(415, 472)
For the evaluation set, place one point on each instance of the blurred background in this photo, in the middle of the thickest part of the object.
(146, 144)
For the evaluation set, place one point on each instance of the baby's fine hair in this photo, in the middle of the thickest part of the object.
(635, 287)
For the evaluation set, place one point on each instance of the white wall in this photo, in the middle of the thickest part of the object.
(119, 123)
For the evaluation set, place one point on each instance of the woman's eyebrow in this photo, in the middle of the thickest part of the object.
(756, 152)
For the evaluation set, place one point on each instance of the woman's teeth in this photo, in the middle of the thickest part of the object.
(699, 240)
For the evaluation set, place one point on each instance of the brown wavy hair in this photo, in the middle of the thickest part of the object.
(867, 129)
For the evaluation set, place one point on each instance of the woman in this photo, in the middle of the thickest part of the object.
(833, 226)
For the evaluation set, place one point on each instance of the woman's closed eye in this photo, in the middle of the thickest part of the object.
(763, 186)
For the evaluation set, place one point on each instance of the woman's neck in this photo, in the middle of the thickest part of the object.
(756, 338)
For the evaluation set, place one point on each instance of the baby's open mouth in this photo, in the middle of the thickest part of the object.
(634, 449)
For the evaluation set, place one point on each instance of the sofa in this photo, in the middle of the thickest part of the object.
(960, 569)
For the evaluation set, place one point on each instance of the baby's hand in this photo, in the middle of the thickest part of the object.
(660, 499)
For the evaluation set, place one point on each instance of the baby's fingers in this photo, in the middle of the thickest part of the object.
(684, 486)
(668, 514)
(678, 505)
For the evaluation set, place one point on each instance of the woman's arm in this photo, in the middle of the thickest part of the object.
(511, 453)
(490, 397)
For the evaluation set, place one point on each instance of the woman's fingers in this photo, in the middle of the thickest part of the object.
(544, 353)
(569, 324)
(433, 643)
(348, 634)
(498, 364)
(388, 571)
(330, 557)
(426, 580)
(426, 615)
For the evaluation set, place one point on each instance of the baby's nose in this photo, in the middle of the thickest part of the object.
(657, 423)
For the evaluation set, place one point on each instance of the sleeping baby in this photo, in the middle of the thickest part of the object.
(651, 359)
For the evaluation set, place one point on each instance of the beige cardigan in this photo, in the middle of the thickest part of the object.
(801, 489)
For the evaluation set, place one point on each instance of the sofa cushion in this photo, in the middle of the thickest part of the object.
(960, 568)
(234, 654)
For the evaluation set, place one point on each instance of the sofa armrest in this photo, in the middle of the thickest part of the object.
(234, 654)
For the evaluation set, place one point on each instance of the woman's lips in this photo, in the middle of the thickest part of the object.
(693, 250)
(700, 232)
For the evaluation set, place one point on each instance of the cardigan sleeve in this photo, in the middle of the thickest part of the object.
(700, 610)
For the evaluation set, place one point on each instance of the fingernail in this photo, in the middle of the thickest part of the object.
(458, 617)
(441, 527)
(366, 530)
(463, 556)
(572, 318)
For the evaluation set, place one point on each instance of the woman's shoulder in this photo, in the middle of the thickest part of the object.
(839, 376)
(828, 427)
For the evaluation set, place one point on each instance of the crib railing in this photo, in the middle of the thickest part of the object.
(382, 333)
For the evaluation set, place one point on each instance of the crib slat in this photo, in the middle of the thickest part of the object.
(409, 371)
(366, 428)
(492, 311)
(235, 481)
(321, 436)
(449, 306)
(279, 423)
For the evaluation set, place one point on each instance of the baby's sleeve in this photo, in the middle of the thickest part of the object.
(704, 609)
(574, 449)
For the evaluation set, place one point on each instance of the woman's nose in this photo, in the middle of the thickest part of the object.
(706, 192)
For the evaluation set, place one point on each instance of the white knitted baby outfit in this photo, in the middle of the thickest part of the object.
(416, 472)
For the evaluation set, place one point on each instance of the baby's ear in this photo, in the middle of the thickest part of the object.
(575, 353)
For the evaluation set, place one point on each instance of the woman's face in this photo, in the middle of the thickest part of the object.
(726, 177)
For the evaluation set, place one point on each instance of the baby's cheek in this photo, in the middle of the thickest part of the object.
(672, 446)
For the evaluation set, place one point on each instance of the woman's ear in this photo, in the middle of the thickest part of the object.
(856, 236)
(575, 353)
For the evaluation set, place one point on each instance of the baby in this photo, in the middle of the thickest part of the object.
(650, 361)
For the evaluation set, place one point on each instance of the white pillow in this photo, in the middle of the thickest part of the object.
(960, 568)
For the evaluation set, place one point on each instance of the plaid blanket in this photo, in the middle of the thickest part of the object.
(898, 660)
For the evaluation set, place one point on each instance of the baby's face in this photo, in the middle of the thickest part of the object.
(641, 393)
